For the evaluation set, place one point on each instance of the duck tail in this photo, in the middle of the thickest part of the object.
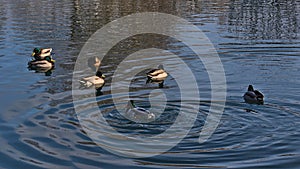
(82, 82)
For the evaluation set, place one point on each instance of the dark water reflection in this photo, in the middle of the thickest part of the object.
(265, 20)
(258, 43)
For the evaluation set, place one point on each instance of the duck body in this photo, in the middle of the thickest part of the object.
(253, 96)
(96, 80)
(138, 114)
(157, 76)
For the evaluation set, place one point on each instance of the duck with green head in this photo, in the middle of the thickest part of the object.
(42, 59)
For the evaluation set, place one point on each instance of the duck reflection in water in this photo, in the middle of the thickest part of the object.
(157, 76)
(47, 71)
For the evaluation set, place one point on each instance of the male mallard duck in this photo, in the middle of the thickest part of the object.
(253, 96)
(138, 114)
(97, 80)
(40, 54)
(157, 76)
(42, 59)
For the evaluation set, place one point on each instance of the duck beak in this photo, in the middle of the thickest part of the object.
(103, 76)
(32, 54)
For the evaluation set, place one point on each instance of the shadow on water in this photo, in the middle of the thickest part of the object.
(257, 41)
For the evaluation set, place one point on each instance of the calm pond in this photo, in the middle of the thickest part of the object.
(257, 41)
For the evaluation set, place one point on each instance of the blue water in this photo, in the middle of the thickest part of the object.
(257, 41)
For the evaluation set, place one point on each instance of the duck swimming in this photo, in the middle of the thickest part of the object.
(96, 80)
(253, 96)
(42, 59)
(138, 114)
(157, 76)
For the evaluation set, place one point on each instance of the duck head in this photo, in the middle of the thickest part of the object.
(250, 88)
(100, 74)
(36, 51)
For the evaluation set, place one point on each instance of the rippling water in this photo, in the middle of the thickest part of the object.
(257, 41)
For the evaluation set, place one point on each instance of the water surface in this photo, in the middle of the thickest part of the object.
(257, 41)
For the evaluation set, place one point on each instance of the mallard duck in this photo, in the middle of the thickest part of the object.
(40, 54)
(96, 80)
(157, 76)
(138, 114)
(253, 96)
(42, 59)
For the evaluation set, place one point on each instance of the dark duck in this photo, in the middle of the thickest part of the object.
(253, 96)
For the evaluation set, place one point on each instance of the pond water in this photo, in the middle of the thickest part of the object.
(258, 43)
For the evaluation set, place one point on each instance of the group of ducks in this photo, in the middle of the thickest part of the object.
(135, 113)
(43, 60)
(157, 75)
